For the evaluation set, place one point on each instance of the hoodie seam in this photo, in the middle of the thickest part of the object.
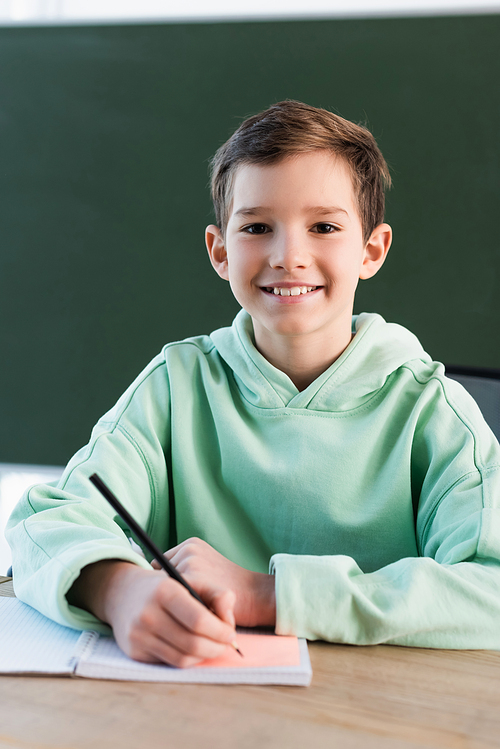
(304, 411)
(256, 365)
(479, 468)
(187, 342)
(31, 537)
(432, 512)
(344, 366)
(115, 425)
(460, 416)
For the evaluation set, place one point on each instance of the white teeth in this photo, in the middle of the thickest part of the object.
(294, 291)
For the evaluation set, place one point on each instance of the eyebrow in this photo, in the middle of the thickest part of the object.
(251, 211)
(324, 210)
(320, 210)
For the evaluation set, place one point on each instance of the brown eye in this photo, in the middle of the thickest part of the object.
(256, 229)
(325, 228)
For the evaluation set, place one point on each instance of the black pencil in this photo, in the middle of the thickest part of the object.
(145, 540)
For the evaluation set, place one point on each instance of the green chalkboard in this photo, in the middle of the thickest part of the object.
(105, 135)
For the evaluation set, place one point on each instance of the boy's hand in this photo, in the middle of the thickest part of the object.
(205, 570)
(153, 617)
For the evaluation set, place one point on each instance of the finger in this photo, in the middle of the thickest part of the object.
(175, 555)
(222, 604)
(170, 553)
(167, 628)
(164, 653)
(156, 634)
(193, 616)
(149, 648)
(176, 644)
(189, 547)
(176, 551)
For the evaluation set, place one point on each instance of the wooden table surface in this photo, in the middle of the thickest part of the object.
(360, 698)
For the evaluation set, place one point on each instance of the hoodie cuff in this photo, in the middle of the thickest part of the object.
(311, 596)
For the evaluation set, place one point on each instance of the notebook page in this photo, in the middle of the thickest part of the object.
(31, 643)
(269, 659)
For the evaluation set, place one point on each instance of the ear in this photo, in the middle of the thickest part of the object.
(217, 250)
(376, 250)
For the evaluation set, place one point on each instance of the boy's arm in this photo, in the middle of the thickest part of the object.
(73, 562)
(413, 602)
(449, 596)
(57, 530)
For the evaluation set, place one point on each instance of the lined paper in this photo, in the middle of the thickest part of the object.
(31, 643)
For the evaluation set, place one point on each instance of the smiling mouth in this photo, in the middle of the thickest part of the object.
(293, 291)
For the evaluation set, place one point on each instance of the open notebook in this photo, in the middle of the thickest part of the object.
(33, 644)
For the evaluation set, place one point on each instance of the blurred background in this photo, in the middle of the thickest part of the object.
(109, 113)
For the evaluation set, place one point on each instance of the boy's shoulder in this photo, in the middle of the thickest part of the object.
(380, 348)
(196, 345)
(416, 376)
(390, 348)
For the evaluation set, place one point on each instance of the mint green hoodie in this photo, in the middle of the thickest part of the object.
(373, 494)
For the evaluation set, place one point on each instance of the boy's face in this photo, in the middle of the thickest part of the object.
(293, 250)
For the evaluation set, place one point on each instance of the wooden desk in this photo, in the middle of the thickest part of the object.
(379, 697)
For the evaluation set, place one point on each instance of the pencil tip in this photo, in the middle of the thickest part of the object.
(235, 646)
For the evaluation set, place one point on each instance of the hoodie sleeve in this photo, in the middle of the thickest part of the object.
(448, 596)
(58, 529)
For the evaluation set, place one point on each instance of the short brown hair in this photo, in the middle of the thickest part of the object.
(291, 127)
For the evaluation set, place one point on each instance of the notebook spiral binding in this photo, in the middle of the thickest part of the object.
(84, 647)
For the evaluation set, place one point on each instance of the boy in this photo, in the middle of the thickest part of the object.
(331, 447)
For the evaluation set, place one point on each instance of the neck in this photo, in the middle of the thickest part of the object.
(303, 359)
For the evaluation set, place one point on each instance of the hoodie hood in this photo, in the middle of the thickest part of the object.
(377, 349)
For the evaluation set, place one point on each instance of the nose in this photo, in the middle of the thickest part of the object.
(289, 251)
